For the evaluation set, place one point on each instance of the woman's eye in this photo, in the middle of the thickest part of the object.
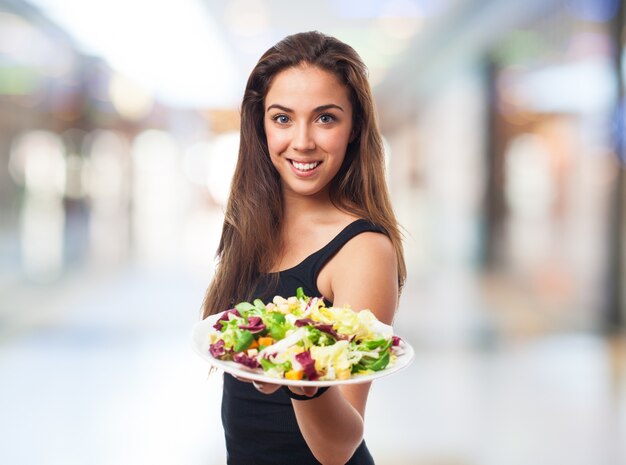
(281, 119)
(326, 119)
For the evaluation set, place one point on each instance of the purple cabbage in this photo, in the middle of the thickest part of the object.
(255, 325)
(246, 360)
(308, 364)
(217, 350)
(304, 322)
(327, 328)
(224, 317)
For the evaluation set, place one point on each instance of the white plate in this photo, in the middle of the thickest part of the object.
(200, 343)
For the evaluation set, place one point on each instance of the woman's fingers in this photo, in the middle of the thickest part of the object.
(270, 388)
(309, 390)
(304, 390)
(265, 388)
(243, 380)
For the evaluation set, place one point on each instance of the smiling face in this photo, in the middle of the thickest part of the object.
(308, 123)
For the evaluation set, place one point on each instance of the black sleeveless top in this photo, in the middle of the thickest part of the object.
(262, 429)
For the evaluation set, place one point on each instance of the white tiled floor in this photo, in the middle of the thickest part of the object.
(108, 378)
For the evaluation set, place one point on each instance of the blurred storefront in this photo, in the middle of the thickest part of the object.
(553, 165)
(94, 170)
(507, 143)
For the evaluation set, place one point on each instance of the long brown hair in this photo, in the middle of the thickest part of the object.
(250, 238)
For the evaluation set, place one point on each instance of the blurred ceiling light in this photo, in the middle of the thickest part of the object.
(157, 195)
(172, 48)
(358, 8)
(155, 152)
(11, 28)
(399, 28)
(106, 176)
(400, 8)
(400, 18)
(23, 44)
(583, 87)
(37, 161)
(28, 56)
(130, 100)
(247, 17)
(375, 8)
(529, 189)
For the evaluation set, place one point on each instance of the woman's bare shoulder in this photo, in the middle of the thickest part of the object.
(372, 250)
(364, 274)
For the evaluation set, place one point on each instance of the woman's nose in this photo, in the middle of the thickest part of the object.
(303, 138)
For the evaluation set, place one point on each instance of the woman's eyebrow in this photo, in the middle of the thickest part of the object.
(279, 107)
(315, 110)
(328, 107)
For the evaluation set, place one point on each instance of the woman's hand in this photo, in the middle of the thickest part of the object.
(270, 388)
(264, 388)
(308, 391)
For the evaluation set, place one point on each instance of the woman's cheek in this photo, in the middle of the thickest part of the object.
(334, 143)
(277, 142)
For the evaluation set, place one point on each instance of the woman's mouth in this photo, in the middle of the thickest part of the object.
(305, 167)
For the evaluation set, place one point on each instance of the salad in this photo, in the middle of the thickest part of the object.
(300, 338)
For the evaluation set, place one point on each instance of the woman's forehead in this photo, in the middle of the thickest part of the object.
(306, 86)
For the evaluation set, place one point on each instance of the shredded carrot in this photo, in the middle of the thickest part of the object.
(266, 341)
(294, 374)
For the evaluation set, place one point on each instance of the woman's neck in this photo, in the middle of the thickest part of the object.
(301, 206)
(309, 222)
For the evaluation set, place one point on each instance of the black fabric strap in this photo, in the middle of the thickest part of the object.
(317, 261)
(292, 395)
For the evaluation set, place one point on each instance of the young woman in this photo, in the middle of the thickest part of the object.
(308, 207)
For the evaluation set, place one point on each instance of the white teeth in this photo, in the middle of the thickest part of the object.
(305, 166)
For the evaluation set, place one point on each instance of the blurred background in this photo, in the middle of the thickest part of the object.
(504, 123)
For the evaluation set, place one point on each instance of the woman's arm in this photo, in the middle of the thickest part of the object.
(363, 275)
